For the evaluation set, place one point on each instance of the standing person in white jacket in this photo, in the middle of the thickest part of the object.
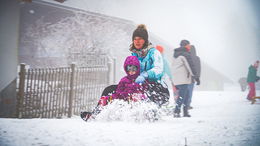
(182, 79)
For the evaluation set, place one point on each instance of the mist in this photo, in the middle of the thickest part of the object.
(225, 33)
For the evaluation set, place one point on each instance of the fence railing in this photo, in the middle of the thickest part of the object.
(60, 92)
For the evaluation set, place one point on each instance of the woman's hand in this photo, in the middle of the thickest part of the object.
(141, 78)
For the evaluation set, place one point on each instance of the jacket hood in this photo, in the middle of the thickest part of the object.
(193, 50)
(132, 60)
(178, 51)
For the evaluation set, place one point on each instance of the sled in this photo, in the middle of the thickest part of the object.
(254, 99)
(156, 93)
(85, 115)
(109, 90)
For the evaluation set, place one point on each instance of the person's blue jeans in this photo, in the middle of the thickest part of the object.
(183, 97)
(191, 87)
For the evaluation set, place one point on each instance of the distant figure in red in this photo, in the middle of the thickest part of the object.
(251, 79)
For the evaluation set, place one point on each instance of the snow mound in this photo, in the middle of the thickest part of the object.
(140, 111)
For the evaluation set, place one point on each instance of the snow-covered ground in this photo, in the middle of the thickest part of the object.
(218, 118)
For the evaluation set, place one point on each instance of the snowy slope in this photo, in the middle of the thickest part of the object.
(218, 118)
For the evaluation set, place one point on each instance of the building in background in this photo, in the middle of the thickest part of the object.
(53, 35)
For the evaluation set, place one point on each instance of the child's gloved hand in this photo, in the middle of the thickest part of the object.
(141, 78)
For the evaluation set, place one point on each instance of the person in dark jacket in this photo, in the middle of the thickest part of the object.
(183, 50)
(251, 79)
(184, 86)
(196, 60)
(189, 52)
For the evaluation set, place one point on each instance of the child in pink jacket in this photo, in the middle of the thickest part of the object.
(127, 89)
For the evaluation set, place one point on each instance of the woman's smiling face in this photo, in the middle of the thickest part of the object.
(139, 42)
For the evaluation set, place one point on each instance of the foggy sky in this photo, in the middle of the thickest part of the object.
(225, 33)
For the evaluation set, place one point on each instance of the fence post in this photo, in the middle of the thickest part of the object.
(109, 80)
(114, 71)
(20, 98)
(71, 95)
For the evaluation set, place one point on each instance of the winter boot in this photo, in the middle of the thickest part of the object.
(253, 100)
(176, 113)
(186, 112)
(249, 98)
(85, 115)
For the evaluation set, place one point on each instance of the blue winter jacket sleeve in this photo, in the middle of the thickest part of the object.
(156, 72)
(152, 63)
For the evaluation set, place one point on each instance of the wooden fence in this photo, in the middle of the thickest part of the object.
(60, 92)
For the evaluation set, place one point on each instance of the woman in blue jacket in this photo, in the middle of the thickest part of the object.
(151, 63)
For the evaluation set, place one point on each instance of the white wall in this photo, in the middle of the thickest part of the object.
(9, 33)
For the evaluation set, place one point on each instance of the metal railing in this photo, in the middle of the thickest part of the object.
(60, 92)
